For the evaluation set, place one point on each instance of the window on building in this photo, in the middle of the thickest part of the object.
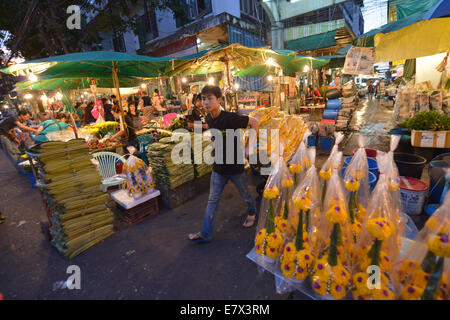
(147, 28)
(119, 43)
(194, 9)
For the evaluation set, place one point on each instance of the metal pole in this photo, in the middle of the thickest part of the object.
(116, 83)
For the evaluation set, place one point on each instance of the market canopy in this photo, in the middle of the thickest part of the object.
(92, 64)
(411, 37)
(242, 61)
(321, 40)
(77, 83)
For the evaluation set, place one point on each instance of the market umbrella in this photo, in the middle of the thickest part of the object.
(77, 83)
(93, 64)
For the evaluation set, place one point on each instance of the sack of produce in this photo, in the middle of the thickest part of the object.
(333, 94)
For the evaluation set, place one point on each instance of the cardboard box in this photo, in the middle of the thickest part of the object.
(430, 139)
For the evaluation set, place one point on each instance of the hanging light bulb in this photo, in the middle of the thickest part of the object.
(184, 80)
(306, 68)
(211, 81)
(270, 78)
(28, 96)
(32, 77)
(236, 86)
(143, 86)
(271, 62)
(59, 96)
(44, 97)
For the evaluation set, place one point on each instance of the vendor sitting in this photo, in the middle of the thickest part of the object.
(335, 84)
(197, 114)
(128, 128)
(174, 105)
(313, 95)
(60, 124)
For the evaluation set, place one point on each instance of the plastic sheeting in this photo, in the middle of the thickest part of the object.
(424, 38)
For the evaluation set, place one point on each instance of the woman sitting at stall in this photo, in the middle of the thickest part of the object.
(136, 120)
(60, 124)
(127, 134)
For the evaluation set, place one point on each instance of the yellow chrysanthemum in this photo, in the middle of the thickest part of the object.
(380, 228)
(275, 240)
(295, 168)
(439, 246)
(272, 253)
(325, 174)
(419, 278)
(336, 214)
(356, 228)
(281, 224)
(337, 291)
(360, 281)
(302, 203)
(289, 252)
(352, 185)
(411, 292)
(321, 268)
(385, 262)
(260, 237)
(301, 272)
(271, 192)
(320, 287)
(384, 293)
(305, 258)
(340, 275)
(407, 267)
(287, 183)
(288, 269)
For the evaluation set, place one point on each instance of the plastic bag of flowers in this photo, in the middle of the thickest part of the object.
(297, 260)
(273, 226)
(327, 168)
(356, 182)
(300, 162)
(423, 272)
(138, 178)
(331, 274)
(378, 244)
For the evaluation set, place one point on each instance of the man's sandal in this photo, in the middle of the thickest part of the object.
(197, 237)
(250, 221)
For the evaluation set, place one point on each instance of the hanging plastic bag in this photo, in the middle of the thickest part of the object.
(424, 101)
(300, 161)
(139, 179)
(356, 182)
(379, 242)
(297, 260)
(423, 272)
(331, 273)
(273, 225)
(436, 101)
(327, 168)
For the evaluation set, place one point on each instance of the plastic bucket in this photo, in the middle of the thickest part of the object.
(312, 141)
(413, 193)
(409, 165)
(334, 104)
(373, 165)
(436, 172)
(326, 143)
(330, 114)
(371, 153)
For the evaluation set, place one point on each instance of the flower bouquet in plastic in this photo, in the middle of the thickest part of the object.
(297, 259)
(378, 244)
(331, 273)
(273, 226)
(300, 162)
(356, 182)
(327, 168)
(138, 178)
(423, 272)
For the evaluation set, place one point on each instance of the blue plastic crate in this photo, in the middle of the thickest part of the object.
(312, 141)
(326, 143)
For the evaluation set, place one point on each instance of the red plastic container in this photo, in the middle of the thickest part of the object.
(371, 153)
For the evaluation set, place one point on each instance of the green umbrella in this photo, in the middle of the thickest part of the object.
(92, 64)
(77, 83)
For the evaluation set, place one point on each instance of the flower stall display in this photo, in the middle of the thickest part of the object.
(139, 178)
(300, 161)
(297, 259)
(273, 225)
(379, 242)
(356, 182)
(423, 272)
(331, 273)
(327, 168)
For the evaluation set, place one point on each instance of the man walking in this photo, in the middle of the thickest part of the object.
(222, 170)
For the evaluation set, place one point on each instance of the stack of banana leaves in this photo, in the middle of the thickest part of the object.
(201, 167)
(79, 216)
(167, 173)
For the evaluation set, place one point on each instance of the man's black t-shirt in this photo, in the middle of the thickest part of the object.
(7, 125)
(228, 120)
(131, 132)
(108, 115)
(147, 101)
